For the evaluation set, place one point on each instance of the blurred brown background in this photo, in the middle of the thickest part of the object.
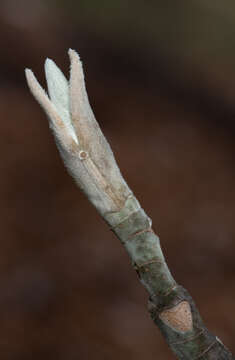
(161, 80)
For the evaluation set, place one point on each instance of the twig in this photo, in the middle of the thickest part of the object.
(89, 159)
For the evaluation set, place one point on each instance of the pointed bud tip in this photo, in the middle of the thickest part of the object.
(74, 55)
(53, 74)
(49, 65)
(29, 76)
(48, 60)
(28, 71)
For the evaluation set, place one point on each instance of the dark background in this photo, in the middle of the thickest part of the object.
(161, 80)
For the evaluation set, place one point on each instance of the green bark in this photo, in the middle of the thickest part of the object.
(184, 332)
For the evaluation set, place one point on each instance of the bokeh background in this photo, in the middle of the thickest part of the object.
(161, 80)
